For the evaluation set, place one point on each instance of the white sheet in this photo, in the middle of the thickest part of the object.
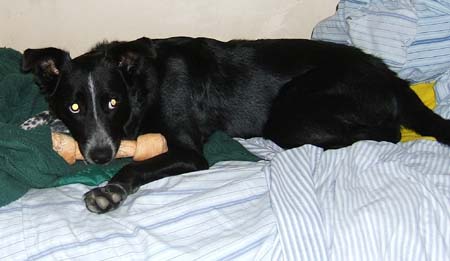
(370, 201)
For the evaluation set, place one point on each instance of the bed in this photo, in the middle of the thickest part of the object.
(368, 201)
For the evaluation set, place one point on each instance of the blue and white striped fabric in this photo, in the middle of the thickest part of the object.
(370, 201)
(442, 93)
(213, 215)
(411, 36)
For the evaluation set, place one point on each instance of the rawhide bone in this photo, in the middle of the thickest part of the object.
(146, 146)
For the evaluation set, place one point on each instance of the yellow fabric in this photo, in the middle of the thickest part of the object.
(425, 91)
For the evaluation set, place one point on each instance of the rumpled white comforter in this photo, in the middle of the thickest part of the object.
(370, 201)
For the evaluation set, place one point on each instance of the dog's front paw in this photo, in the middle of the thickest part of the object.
(103, 199)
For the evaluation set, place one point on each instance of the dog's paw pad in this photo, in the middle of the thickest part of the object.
(116, 198)
(102, 202)
(103, 199)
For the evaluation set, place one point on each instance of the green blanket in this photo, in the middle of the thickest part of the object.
(26, 157)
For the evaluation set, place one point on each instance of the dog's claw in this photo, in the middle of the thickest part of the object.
(104, 199)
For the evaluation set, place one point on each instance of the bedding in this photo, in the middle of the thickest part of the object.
(370, 201)
(412, 37)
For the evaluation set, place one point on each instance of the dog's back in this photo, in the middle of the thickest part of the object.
(232, 86)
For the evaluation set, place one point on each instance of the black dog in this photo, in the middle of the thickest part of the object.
(293, 92)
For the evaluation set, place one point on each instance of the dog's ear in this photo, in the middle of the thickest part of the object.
(131, 56)
(46, 64)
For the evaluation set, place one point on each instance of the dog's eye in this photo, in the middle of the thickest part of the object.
(112, 104)
(74, 108)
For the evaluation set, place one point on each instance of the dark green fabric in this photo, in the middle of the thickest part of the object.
(26, 157)
(221, 147)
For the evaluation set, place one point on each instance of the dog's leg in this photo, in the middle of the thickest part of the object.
(416, 116)
(132, 176)
(330, 113)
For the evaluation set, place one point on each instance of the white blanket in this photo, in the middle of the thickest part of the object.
(370, 201)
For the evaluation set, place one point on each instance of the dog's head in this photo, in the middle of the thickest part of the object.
(92, 94)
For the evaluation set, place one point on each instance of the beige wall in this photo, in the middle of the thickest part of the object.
(77, 25)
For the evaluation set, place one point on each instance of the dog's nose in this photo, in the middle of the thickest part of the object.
(101, 155)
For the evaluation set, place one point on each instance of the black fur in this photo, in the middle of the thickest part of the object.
(293, 92)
